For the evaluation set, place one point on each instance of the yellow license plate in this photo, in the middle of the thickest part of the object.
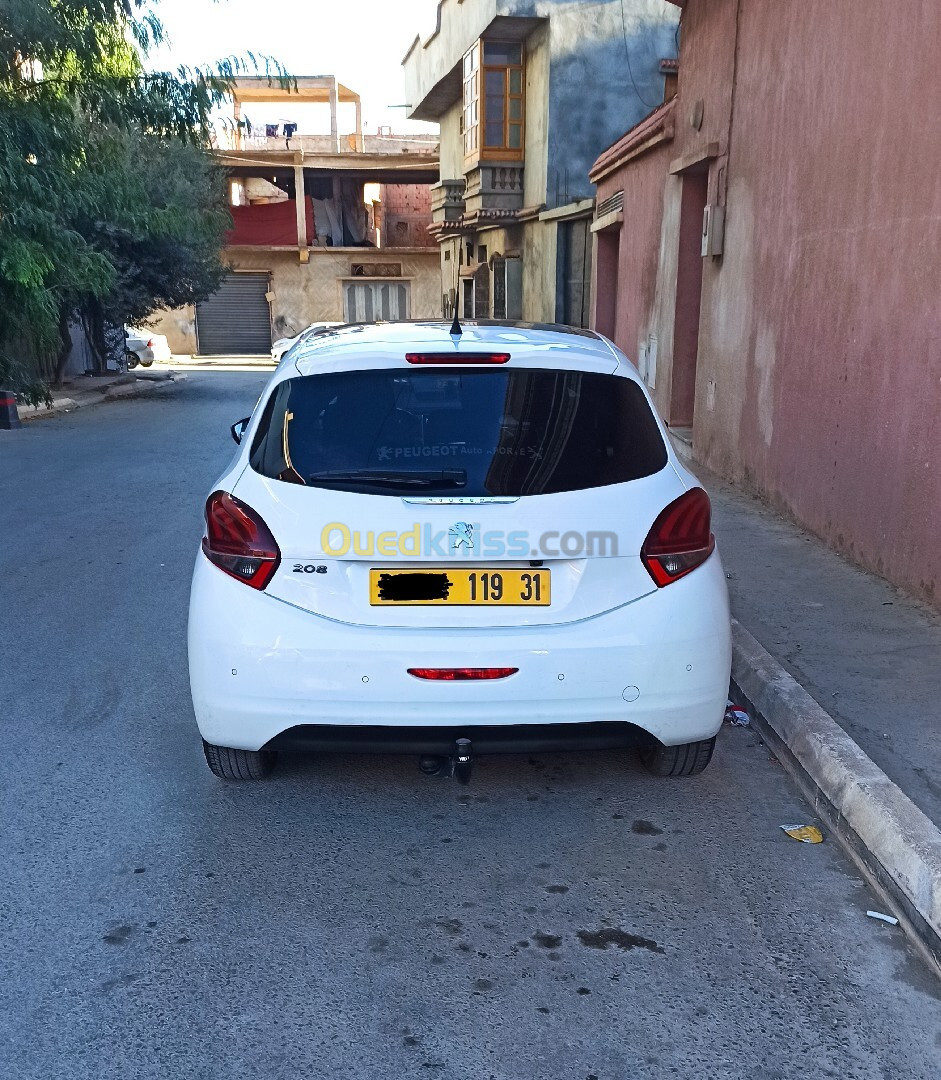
(463, 586)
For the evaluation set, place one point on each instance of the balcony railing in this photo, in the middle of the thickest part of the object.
(494, 187)
(447, 200)
(326, 144)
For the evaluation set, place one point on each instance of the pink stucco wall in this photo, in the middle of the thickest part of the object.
(625, 273)
(818, 379)
(637, 263)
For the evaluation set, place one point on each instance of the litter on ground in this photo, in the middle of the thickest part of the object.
(735, 716)
(883, 918)
(807, 834)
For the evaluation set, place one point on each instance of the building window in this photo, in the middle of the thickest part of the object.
(493, 100)
(471, 114)
(370, 301)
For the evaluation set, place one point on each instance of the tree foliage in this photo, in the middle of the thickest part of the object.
(110, 205)
(155, 210)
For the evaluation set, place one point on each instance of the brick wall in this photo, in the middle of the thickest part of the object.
(406, 215)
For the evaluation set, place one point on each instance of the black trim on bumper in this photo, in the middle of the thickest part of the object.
(516, 739)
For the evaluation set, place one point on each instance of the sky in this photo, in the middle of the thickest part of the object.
(362, 42)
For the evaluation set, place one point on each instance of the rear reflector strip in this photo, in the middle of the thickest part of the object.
(458, 674)
(457, 358)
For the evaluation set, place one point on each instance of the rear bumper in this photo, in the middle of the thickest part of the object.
(516, 739)
(264, 673)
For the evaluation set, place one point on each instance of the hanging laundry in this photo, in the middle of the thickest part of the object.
(354, 211)
(321, 219)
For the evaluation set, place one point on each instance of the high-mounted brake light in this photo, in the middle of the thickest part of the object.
(680, 539)
(238, 541)
(457, 357)
(459, 674)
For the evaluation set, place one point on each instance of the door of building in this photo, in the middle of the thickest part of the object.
(236, 320)
(573, 272)
(688, 299)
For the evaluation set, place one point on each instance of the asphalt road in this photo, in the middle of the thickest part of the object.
(562, 918)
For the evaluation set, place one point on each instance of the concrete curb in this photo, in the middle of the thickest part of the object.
(891, 840)
(683, 449)
(116, 391)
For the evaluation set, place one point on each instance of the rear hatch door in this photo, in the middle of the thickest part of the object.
(549, 479)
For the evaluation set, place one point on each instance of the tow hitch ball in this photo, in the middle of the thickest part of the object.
(459, 764)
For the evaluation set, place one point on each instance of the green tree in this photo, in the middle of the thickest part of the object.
(158, 217)
(81, 123)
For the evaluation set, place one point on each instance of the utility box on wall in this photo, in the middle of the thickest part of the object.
(713, 230)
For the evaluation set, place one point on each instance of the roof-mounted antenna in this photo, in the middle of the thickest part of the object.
(456, 330)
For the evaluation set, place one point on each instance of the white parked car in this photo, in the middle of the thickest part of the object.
(456, 545)
(144, 348)
(282, 345)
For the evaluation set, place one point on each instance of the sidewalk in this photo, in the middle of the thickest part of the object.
(84, 390)
(186, 362)
(867, 653)
(871, 658)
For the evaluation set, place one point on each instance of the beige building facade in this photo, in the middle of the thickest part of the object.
(526, 95)
(326, 227)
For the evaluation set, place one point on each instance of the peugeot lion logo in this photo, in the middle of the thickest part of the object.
(462, 535)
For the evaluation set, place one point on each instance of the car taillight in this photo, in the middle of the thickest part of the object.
(150, 344)
(457, 358)
(458, 674)
(680, 539)
(238, 541)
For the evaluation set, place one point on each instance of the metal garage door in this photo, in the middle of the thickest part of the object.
(236, 320)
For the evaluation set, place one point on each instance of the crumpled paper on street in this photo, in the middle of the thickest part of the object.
(807, 834)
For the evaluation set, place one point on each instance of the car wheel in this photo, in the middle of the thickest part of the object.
(230, 764)
(147, 363)
(687, 759)
(132, 360)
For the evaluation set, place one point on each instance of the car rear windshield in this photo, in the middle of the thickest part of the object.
(469, 433)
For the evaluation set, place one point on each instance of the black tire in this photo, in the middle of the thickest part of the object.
(132, 360)
(147, 363)
(687, 759)
(230, 764)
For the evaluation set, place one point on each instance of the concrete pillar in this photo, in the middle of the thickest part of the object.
(359, 126)
(334, 101)
(237, 115)
(300, 202)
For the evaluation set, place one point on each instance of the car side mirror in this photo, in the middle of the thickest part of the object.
(238, 428)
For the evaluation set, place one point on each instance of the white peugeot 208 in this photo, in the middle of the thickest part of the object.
(451, 541)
